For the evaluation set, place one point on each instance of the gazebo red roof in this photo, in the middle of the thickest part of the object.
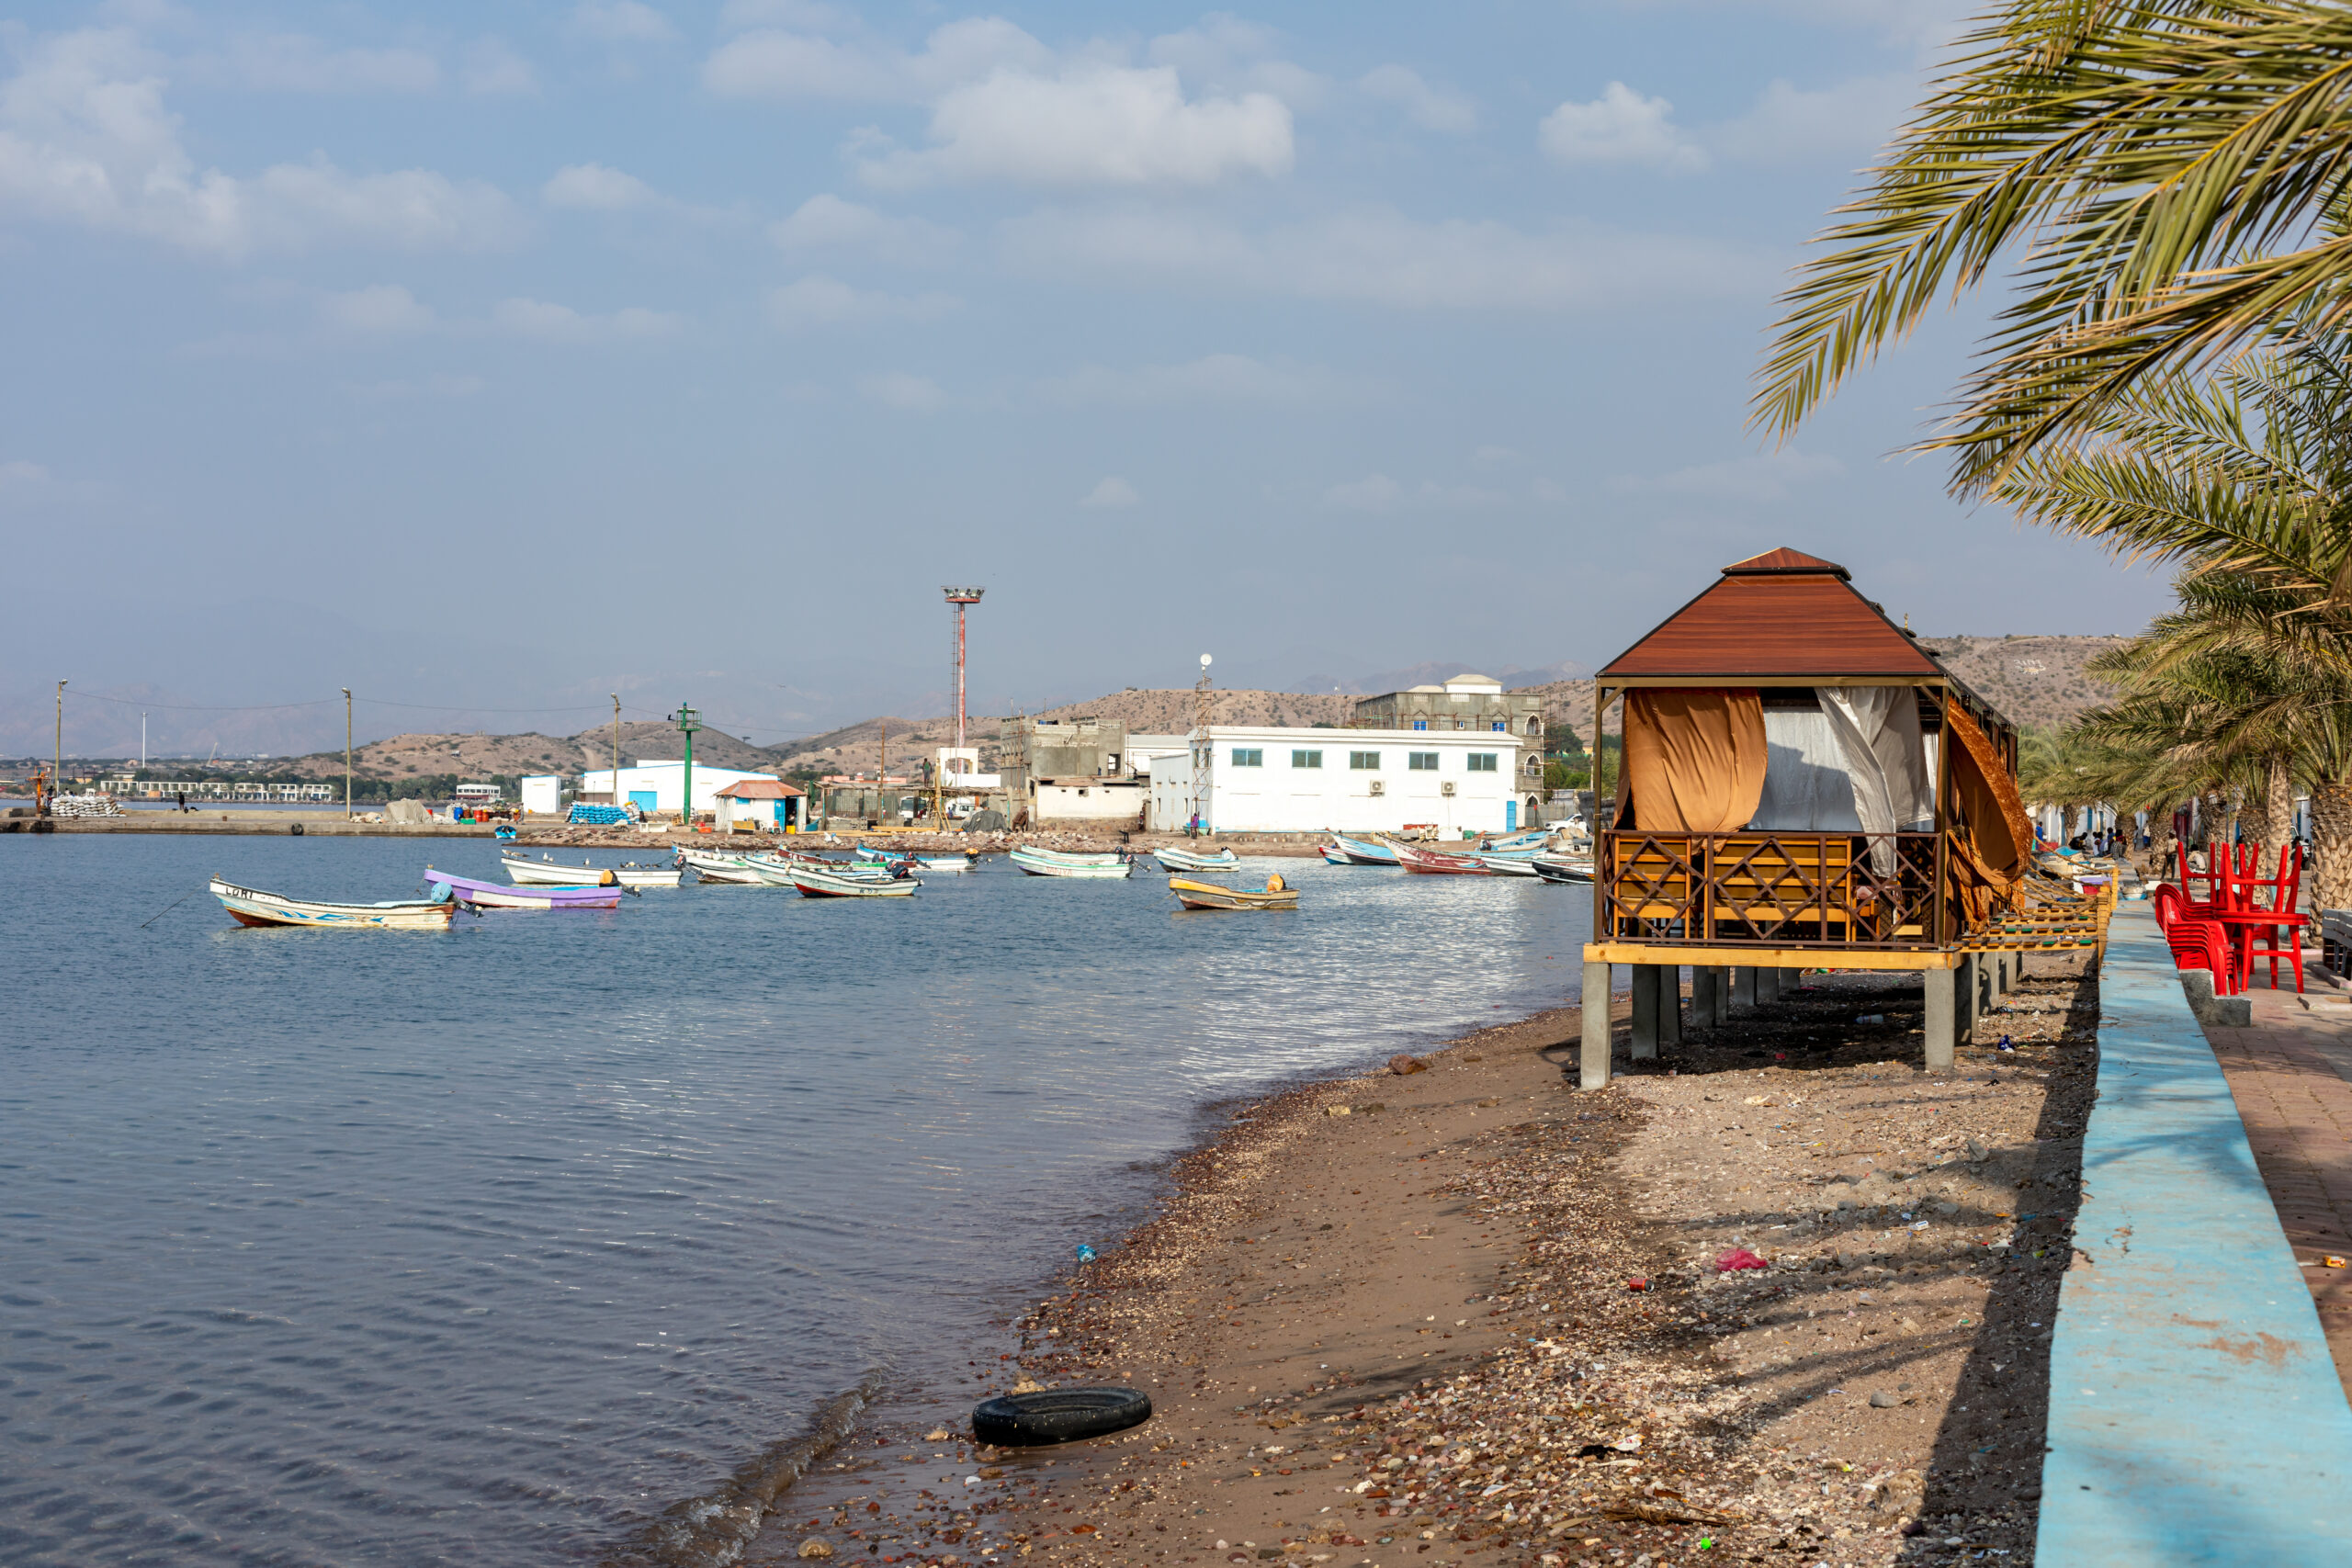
(761, 789)
(1780, 614)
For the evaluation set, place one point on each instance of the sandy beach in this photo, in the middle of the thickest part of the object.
(1470, 1314)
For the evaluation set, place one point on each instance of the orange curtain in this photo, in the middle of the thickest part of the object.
(1694, 759)
(1994, 847)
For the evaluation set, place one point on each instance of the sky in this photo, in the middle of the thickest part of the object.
(491, 359)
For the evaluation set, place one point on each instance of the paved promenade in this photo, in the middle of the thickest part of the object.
(2291, 1076)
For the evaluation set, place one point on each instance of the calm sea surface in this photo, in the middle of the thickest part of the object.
(391, 1248)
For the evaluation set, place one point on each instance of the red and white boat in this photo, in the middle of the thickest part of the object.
(1431, 862)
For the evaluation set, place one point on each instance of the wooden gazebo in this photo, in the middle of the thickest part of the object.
(1802, 785)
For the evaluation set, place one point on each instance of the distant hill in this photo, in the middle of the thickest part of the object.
(480, 755)
(2038, 681)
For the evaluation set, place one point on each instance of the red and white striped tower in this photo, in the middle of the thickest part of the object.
(960, 598)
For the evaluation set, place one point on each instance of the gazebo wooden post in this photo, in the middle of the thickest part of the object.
(1592, 1065)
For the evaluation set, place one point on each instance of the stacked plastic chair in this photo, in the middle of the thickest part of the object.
(2282, 938)
(2197, 939)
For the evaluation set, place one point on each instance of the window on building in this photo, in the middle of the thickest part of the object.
(1420, 724)
(1421, 762)
(1306, 759)
(1482, 762)
(1249, 757)
(1501, 726)
(1361, 759)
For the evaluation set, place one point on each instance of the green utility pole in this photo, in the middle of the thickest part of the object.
(688, 721)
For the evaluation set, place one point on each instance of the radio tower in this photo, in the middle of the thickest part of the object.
(960, 598)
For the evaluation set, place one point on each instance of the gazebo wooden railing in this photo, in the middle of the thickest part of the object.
(1771, 889)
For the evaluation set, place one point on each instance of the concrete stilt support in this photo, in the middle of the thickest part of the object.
(1944, 999)
(1743, 987)
(1593, 1063)
(1969, 999)
(1791, 979)
(1768, 985)
(1645, 1010)
(1669, 1004)
(1703, 998)
(1720, 1014)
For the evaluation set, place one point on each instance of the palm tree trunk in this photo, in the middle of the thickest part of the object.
(2330, 880)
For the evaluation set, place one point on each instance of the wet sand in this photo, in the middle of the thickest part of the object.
(1471, 1314)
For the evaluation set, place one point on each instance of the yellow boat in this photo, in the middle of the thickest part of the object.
(1276, 895)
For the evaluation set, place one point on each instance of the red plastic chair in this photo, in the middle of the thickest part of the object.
(2201, 944)
(2171, 904)
(2215, 877)
(2278, 894)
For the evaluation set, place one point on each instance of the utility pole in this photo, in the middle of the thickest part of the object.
(688, 721)
(616, 749)
(142, 741)
(1202, 753)
(962, 599)
(57, 776)
(347, 753)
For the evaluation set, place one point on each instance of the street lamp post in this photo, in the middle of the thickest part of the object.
(57, 765)
(347, 753)
(688, 721)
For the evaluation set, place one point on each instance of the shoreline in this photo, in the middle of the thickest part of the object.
(1322, 1305)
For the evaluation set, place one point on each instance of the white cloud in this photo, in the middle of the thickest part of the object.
(492, 70)
(738, 15)
(1378, 492)
(1112, 491)
(1620, 127)
(295, 63)
(16, 472)
(620, 21)
(1227, 56)
(595, 188)
(561, 323)
(781, 64)
(1094, 125)
(1788, 123)
(1767, 477)
(818, 300)
(1425, 106)
(385, 309)
(897, 389)
(827, 222)
(85, 138)
(1212, 378)
(1379, 257)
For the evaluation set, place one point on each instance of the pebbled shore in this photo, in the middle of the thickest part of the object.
(1407, 1334)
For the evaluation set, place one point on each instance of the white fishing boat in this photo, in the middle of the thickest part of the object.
(1073, 857)
(252, 907)
(943, 864)
(1563, 868)
(1175, 859)
(1507, 865)
(1038, 863)
(546, 872)
(732, 869)
(814, 883)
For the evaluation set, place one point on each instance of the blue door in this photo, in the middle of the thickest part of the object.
(644, 799)
(1511, 816)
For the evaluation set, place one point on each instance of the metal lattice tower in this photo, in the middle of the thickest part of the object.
(962, 598)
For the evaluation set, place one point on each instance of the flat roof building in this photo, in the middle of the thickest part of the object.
(1274, 780)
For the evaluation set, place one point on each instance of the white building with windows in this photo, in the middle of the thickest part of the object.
(653, 785)
(1350, 781)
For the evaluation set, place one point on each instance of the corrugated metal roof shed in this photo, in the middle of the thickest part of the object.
(1779, 613)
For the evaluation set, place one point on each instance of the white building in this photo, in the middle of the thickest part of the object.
(1348, 780)
(653, 785)
(542, 794)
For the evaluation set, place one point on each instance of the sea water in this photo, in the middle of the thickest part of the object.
(485, 1247)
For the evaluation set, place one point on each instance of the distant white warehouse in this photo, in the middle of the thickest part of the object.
(1349, 781)
(653, 785)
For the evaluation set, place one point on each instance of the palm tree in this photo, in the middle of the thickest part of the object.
(2175, 173)
(2056, 768)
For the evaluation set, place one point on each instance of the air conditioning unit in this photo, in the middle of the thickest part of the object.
(1379, 787)
(1446, 788)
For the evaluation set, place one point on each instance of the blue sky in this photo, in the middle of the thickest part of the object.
(504, 354)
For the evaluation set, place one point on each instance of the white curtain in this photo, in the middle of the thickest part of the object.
(1805, 785)
(1885, 759)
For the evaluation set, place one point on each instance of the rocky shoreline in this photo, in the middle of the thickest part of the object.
(1469, 1315)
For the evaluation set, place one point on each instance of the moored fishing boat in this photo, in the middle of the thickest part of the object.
(499, 896)
(252, 907)
(814, 883)
(1334, 856)
(1531, 841)
(545, 872)
(1431, 862)
(1562, 868)
(1366, 852)
(1275, 894)
(1048, 862)
(1174, 859)
(1506, 865)
(731, 869)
